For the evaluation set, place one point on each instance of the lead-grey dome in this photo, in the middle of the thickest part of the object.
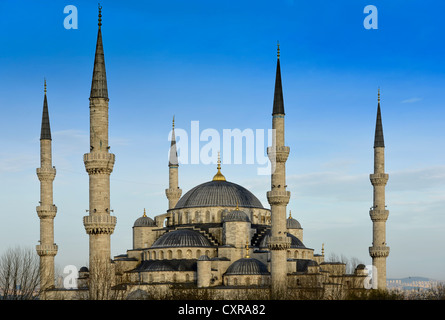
(236, 216)
(181, 238)
(292, 223)
(144, 222)
(247, 266)
(217, 193)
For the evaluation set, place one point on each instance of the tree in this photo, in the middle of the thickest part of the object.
(19, 274)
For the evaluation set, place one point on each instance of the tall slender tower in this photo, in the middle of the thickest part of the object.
(99, 162)
(46, 211)
(378, 213)
(278, 197)
(173, 192)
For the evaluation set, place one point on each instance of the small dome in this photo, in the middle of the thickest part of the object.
(236, 215)
(247, 266)
(83, 269)
(181, 238)
(144, 221)
(204, 258)
(292, 223)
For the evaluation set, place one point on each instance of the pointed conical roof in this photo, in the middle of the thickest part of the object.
(45, 132)
(99, 83)
(278, 102)
(173, 156)
(378, 139)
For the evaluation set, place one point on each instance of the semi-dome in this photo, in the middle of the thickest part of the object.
(181, 238)
(247, 266)
(236, 216)
(295, 242)
(144, 221)
(218, 193)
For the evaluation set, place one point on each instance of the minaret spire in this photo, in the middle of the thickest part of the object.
(173, 192)
(378, 213)
(99, 83)
(45, 132)
(378, 139)
(278, 101)
(46, 211)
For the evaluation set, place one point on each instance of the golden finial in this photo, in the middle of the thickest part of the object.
(144, 213)
(219, 176)
(247, 248)
(44, 85)
(100, 15)
(278, 49)
(290, 214)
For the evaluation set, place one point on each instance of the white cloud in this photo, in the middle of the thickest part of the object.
(411, 100)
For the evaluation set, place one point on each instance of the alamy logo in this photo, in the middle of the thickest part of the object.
(70, 280)
(370, 281)
(203, 146)
(371, 20)
(70, 21)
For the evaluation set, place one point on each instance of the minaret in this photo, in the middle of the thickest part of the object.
(173, 192)
(99, 162)
(278, 197)
(379, 250)
(46, 211)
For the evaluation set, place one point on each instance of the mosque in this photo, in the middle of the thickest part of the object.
(216, 238)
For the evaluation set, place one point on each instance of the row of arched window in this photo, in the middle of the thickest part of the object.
(187, 217)
(169, 254)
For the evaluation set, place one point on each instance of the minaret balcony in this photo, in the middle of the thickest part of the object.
(46, 249)
(278, 153)
(379, 179)
(378, 215)
(46, 211)
(46, 174)
(279, 243)
(278, 197)
(173, 193)
(100, 224)
(379, 251)
(99, 162)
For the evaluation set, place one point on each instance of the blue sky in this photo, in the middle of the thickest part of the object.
(214, 62)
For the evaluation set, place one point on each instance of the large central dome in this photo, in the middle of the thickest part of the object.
(219, 193)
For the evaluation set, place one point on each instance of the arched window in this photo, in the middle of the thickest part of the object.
(179, 254)
(189, 254)
(198, 253)
(161, 255)
(154, 255)
(169, 254)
